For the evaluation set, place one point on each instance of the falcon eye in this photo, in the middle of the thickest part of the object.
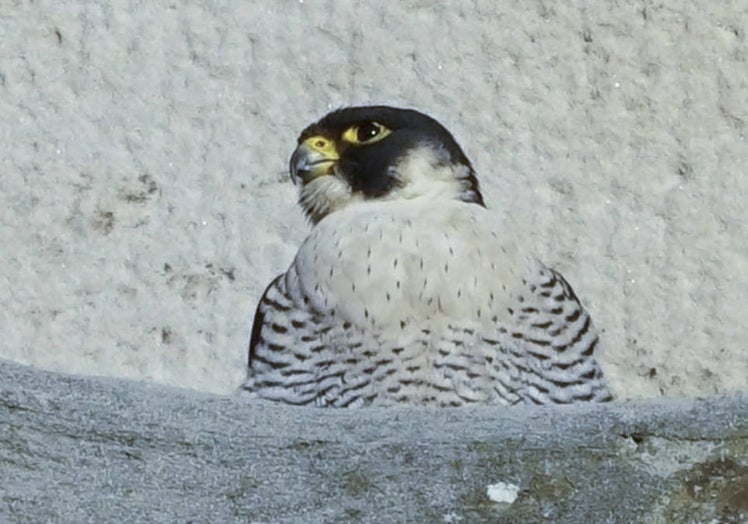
(365, 133)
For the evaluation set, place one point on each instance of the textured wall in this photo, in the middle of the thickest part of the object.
(143, 149)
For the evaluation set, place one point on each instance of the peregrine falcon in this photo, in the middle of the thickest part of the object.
(407, 289)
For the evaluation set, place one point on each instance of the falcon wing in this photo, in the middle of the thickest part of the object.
(287, 347)
(554, 344)
(266, 307)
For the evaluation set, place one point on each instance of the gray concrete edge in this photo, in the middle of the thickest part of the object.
(98, 449)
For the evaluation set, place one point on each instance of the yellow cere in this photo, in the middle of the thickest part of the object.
(322, 145)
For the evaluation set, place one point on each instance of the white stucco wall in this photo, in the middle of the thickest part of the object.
(145, 204)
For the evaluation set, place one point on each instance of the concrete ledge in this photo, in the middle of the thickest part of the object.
(77, 449)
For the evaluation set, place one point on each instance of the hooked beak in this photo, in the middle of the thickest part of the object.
(314, 157)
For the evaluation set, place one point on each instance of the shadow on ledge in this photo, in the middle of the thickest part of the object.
(77, 449)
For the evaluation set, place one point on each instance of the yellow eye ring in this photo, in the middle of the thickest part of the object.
(365, 133)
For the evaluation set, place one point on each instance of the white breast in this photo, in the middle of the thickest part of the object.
(382, 264)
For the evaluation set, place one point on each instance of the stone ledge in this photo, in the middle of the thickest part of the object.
(77, 449)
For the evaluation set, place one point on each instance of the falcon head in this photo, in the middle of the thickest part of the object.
(359, 154)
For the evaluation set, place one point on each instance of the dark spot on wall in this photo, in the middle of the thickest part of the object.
(141, 191)
(198, 283)
(685, 170)
(165, 335)
(103, 222)
(228, 273)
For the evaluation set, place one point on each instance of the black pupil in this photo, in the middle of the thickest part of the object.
(367, 131)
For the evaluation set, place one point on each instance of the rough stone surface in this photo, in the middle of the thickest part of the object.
(76, 449)
(145, 202)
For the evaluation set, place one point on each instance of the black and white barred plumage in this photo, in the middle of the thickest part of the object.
(403, 293)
